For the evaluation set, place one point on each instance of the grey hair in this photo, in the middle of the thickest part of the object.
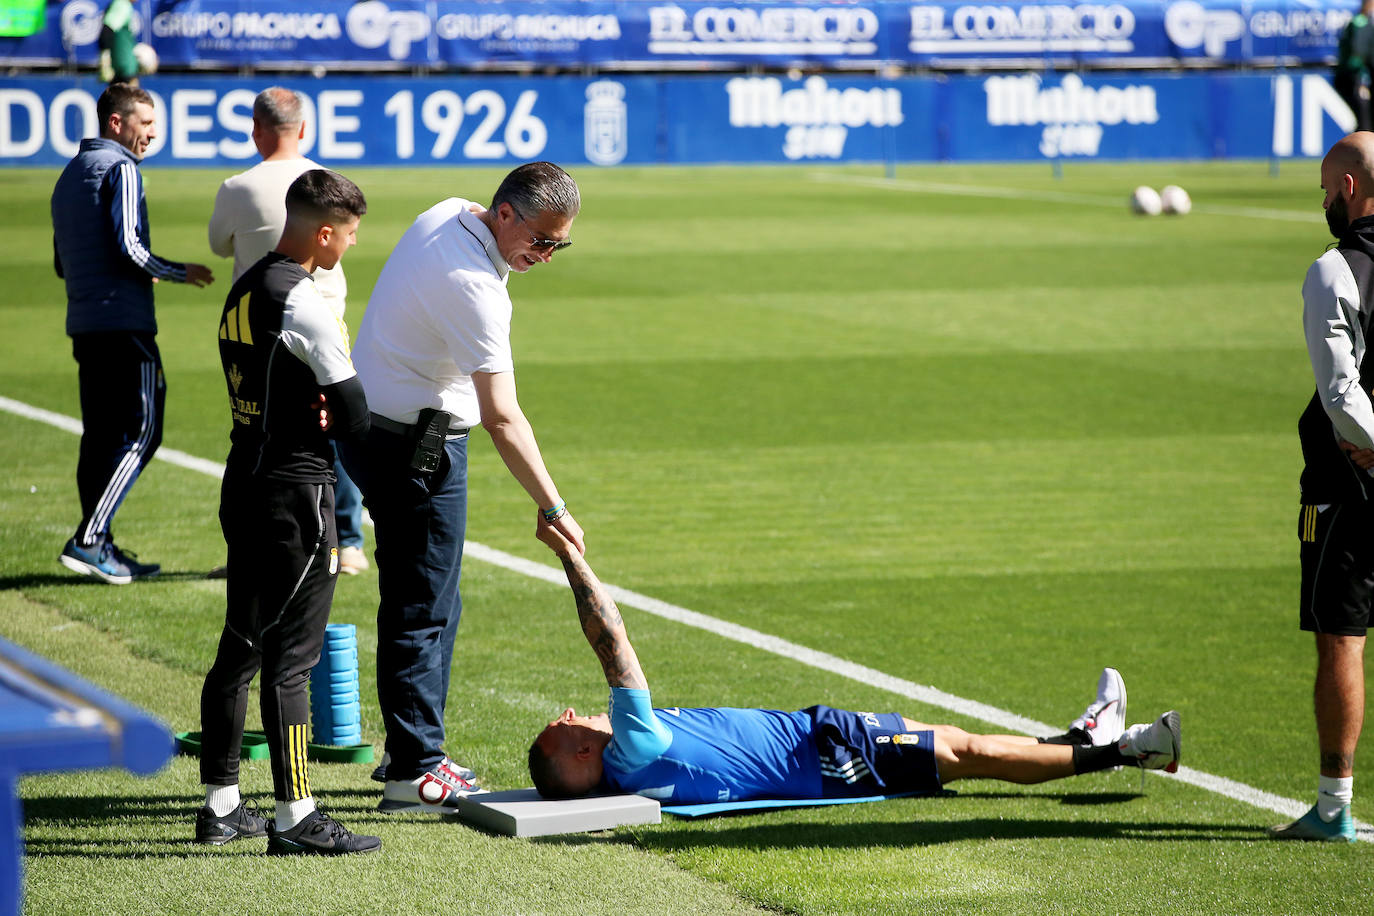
(539, 187)
(277, 107)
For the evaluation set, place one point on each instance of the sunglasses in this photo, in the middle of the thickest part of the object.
(539, 244)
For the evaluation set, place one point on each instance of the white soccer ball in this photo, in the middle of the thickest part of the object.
(1175, 200)
(1145, 201)
(146, 57)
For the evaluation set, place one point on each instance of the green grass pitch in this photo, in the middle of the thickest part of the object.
(977, 427)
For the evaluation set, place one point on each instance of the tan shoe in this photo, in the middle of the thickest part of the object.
(352, 561)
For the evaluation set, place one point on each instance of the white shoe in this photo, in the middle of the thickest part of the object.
(352, 561)
(1157, 746)
(435, 792)
(1105, 718)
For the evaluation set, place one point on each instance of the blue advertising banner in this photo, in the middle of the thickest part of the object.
(553, 32)
(695, 34)
(266, 32)
(395, 120)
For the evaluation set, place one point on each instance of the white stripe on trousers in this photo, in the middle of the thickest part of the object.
(128, 466)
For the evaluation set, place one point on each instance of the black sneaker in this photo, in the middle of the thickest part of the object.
(318, 834)
(243, 821)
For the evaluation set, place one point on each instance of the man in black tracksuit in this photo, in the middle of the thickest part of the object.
(102, 249)
(1336, 523)
(291, 386)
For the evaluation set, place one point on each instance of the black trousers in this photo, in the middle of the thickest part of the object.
(1347, 86)
(122, 398)
(283, 564)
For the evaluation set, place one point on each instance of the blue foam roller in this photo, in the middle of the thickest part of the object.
(347, 660)
(349, 714)
(335, 707)
(338, 735)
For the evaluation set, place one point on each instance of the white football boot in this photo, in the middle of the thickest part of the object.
(1157, 746)
(1105, 718)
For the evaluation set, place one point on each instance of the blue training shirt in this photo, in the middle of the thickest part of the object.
(694, 755)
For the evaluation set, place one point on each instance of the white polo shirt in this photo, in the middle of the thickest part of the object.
(439, 312)
(249, 215)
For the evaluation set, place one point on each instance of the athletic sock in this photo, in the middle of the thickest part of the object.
(1333, 794)
(291, 813)
(222, 800)
(1092, 759)
(1073, 737)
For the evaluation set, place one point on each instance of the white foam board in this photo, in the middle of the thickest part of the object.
(521, 812)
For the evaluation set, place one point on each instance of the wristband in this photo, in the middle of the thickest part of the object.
(554, 513)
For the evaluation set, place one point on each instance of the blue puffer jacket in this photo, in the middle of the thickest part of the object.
(101, 242)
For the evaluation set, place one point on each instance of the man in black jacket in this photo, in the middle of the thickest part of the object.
(102, 249)
(291, 386)
(1336, 523)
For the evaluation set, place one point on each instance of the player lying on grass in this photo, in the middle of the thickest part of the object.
(689, 756)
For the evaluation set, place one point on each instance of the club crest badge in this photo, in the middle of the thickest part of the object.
(606, 123)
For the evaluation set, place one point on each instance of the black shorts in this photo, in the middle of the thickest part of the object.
(866, 753)
(1337, 546)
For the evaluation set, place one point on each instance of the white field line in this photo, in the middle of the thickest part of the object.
(1058, 197)
(824, 661)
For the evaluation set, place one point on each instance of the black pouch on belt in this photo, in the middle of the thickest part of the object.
(431, 429)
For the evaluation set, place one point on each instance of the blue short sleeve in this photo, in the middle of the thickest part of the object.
(639, 738)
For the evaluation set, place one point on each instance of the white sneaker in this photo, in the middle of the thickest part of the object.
(434, 792)
(1105, 718)
(1157, 746)
(352, 561)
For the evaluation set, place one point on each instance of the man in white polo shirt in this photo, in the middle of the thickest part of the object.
(249, 216)
(434, 356)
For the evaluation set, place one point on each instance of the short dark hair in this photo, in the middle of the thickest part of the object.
(548, 777)
(277, 107)
(539, 187)
(120, 99)
(326, 196)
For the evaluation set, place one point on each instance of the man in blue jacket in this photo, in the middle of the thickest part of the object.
(683, 755)
(101, 248)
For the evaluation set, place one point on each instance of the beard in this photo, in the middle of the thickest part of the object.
(1337, 218)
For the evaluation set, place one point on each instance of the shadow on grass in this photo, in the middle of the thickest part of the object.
(1085, 799)
(937, 832)
(159, 826)
(45, 580)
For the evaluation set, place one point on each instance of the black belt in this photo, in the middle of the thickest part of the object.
(408, 429)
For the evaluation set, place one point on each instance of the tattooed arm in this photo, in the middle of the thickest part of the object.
(600, 618)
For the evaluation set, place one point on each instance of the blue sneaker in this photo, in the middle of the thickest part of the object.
(105, 562)
(130, 559)
(1310, 826)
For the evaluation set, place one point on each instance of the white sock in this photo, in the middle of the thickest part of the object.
(222, 800)
(291, 813)
(1333, 794)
